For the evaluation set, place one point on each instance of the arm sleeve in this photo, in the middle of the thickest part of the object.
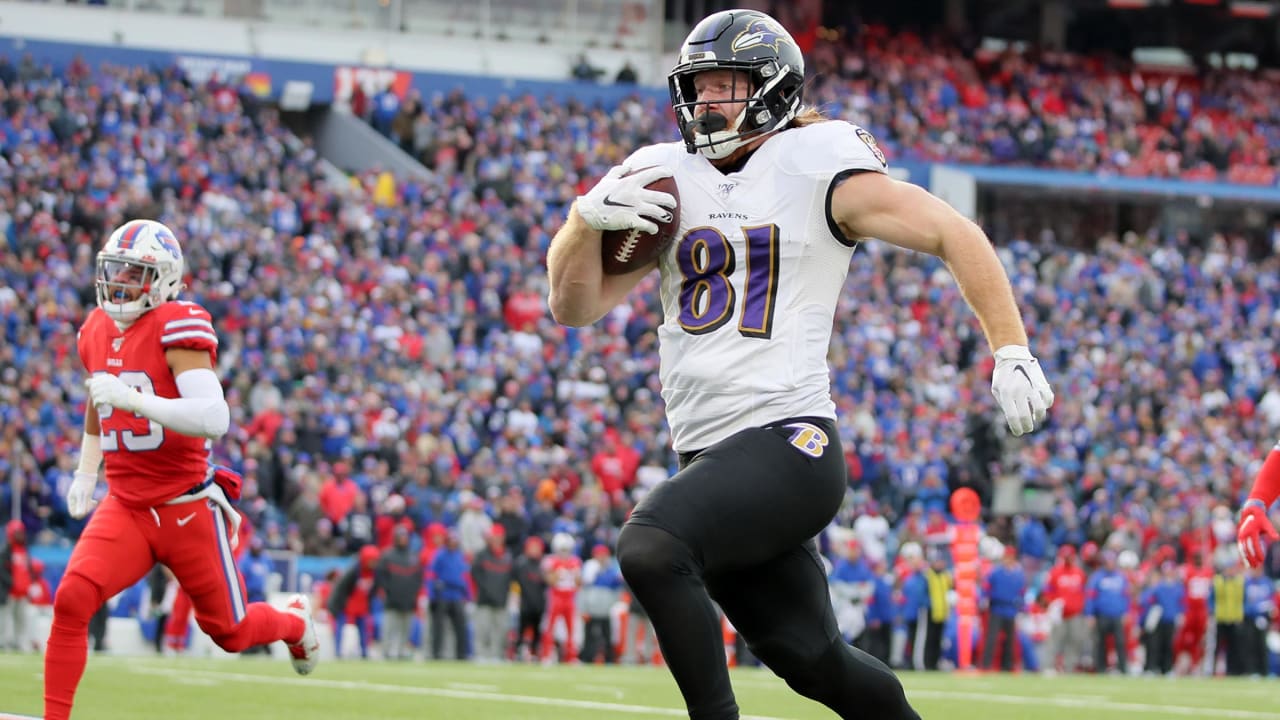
(201, 411)
(90, 454)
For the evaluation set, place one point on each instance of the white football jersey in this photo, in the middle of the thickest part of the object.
(750, 286)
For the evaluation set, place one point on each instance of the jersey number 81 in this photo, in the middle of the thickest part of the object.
(707, 295)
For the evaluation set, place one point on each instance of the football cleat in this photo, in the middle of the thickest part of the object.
(305, 653)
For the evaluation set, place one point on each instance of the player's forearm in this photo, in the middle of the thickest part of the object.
(984, 284)
(201, 411)
(575, 273)
(1266, 486)
(90, 454)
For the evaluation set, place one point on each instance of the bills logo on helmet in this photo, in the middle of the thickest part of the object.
(760, 32)
(169, 242)
(161, 233)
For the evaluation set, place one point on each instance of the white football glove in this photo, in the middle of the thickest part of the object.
(80, 495)
(1020, 388)
(623, 203)
(107, 389)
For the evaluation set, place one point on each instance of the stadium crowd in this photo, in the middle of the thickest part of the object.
(929, 98)
(390, 363)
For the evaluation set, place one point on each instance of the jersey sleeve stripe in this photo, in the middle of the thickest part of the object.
(188, 335)
(192, 322)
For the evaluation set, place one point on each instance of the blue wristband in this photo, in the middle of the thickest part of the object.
(1254, 502)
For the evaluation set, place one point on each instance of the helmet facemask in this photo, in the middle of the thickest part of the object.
(127, 287)
(139, 268)
(769, 102)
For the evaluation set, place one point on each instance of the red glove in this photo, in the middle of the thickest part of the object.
(229, 480)
(1254, 525)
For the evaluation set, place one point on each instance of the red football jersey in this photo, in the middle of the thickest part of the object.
(565, 573)
(147, 463)
(1199, 585)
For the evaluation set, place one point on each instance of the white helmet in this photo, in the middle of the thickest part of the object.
(911, 550)
(140, 255)
(562, 543)
(1127, 560)
(990, 547)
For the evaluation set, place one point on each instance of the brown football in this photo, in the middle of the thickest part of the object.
(626, 250)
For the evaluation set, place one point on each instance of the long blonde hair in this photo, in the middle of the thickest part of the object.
(808, 116)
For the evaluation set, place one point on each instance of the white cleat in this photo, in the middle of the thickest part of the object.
(305, 653)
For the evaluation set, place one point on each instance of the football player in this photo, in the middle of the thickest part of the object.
(154, 404)
(563, 572)
(774, 199)
(1254, 525)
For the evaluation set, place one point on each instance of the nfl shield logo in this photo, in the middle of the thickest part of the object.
(115, 344)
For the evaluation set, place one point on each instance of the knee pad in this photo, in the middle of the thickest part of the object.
(647, 555)
(77, 599)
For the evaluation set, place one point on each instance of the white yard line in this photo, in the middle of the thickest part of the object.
(472, 686)
(433, 692)
(1093, 704)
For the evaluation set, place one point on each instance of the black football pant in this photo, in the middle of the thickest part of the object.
(736, 525)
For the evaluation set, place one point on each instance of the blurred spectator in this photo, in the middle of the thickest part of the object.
(399, 578)
(584, 70)
(1107, 598)
(1163, 607)
(1004, 589)
(512, 519)
(1227, 603)
(492, 573)
(940, 583)
(450, 592)
(18, 581)
(626, 74)
(1064, 591)
(1259, 613)
(256, 569)
(473, 524)
(532, 584)
(351, 600)
(601, 587)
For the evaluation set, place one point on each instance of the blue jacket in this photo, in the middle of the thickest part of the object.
(1257, 597)
(1033, 541)
(881, 607)
(857, 571)
(915, 596)
(450, 571)
(1106, 594)
(1170, 596)
(256, 572)
(1005, 590)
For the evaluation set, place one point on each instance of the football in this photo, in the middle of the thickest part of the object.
(626, 250)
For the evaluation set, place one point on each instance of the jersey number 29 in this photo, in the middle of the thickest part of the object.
(707, 295)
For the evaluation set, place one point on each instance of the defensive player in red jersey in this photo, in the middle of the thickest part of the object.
(1254, 524)
(154, 403)
(563, 571)
(1197, 575)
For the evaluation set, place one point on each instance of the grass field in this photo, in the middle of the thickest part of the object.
(261, 688)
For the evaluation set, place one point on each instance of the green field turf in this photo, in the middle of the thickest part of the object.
(266, 689)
